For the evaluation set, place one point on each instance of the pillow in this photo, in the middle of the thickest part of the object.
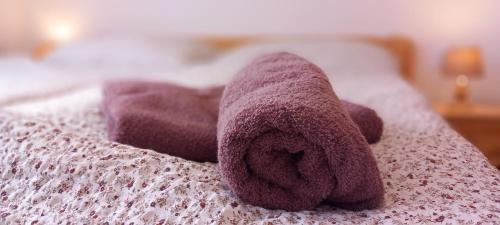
(128, 55)
(338, 59)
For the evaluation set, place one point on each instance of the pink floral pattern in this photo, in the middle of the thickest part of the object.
(58, 168)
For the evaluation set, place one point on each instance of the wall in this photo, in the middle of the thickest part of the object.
(12, 24)
(434, 25)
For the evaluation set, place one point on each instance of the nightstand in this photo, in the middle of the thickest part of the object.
(480, 124)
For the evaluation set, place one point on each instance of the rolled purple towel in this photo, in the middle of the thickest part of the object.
(286, 142)
(167, 118)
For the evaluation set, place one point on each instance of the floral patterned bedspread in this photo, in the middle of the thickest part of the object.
(56, 167)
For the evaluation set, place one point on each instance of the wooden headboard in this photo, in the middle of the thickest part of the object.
(401, 47)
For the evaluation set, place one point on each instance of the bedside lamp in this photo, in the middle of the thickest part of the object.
(462, 63)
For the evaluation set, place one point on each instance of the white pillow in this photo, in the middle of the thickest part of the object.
(127, 55)
(339, 59)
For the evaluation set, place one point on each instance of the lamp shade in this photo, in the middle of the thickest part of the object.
(463, 61)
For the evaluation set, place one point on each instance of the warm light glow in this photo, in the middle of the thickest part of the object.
(461, 86)
(62, 32)
(462, 80)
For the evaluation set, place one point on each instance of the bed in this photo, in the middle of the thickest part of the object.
(57, 166)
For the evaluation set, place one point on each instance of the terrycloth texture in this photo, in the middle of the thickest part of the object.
(182, 121)
(170, 119)
(285, 142)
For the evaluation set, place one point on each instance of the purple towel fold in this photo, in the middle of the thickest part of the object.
(367, 120)
(164, 117)
(286, 142)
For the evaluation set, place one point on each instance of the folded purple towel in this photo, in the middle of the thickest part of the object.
(286, 142)
(170, 119)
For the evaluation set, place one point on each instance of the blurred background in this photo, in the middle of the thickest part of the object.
(434, 26)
